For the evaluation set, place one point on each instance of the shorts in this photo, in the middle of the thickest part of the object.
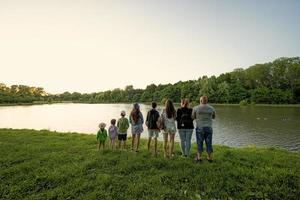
(137, 130)
(112, 138)
(153, 133)
(204, 134)
(122, 137)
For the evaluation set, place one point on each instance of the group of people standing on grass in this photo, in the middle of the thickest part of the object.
(165, 122)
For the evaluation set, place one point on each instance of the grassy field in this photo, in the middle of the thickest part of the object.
(51, 165)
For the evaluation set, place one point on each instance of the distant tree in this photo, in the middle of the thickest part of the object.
(273, 82)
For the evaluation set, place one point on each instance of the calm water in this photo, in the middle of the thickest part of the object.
(234, 125)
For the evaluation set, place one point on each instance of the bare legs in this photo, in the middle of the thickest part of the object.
(122, 144)
(135, 143)
(171, 150)
(101, 144)
(155, 144)
(149, 143)
(168, 145)
(132, 142)
(113, 144)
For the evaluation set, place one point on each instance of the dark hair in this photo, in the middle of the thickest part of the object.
(154, 104)
(135, 113)
(170, 110)
(113, 121)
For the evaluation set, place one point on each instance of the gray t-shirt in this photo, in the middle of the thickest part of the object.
(203, 115)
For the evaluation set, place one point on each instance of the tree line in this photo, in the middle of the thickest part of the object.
(276, 82)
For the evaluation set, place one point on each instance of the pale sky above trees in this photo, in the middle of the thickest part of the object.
(86, 46)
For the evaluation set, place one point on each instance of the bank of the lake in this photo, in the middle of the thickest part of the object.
(34, 103)
(146, 103)
(52, 165)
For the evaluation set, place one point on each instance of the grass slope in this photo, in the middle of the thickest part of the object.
(50, 165)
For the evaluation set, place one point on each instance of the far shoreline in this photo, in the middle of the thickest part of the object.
(145, 103)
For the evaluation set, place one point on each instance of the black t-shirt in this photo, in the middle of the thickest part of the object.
(184, 118)
(152, 118)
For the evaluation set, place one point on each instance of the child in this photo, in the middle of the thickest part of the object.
(101, 136)
(113, 133)
(153, 130)
(123, 125)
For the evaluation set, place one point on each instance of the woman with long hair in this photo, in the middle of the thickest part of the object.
(169, 116)
(136, 120)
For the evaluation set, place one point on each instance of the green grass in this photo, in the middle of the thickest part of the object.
(51, 165)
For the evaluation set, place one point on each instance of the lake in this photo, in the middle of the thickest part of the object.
(234, 125)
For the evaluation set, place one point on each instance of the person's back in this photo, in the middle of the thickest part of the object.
(203, 114)
(152, 118)
(153, 130)
(169, 122)
(123, 125)
(184, 118)
(185, 126)
(139, 121)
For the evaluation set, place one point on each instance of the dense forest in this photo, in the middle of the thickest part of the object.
(276, 82)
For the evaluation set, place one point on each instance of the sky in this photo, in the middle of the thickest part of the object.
(97, 45)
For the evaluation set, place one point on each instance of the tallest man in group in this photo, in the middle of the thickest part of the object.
(203, 114)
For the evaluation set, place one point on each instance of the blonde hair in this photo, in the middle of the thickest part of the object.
(102, 125)
(184, 102)
(203, 99)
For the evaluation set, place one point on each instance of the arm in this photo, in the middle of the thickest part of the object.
(193, 114)
(178, 115)
(97, 137)
(127, 124)
(142, 117)
(147, 118)
(213, 116)
(130, 120)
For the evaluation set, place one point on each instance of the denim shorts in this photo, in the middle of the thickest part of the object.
(204, 134)
(153, 133)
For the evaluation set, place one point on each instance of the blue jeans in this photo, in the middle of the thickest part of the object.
(185, 138)
(204, 134)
